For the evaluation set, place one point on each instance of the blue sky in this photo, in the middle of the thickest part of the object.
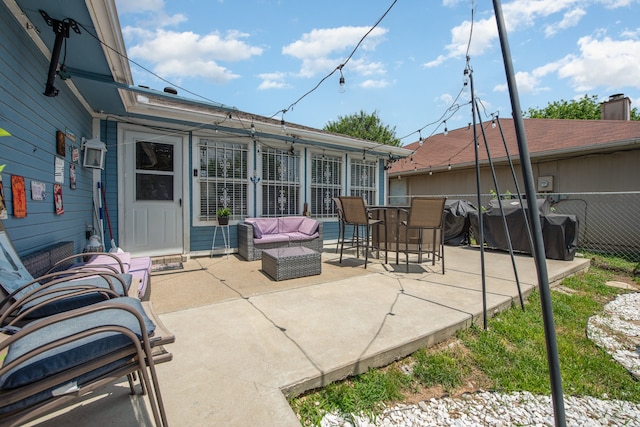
(261, 56)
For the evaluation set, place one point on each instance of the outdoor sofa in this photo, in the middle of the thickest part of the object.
(257, 234)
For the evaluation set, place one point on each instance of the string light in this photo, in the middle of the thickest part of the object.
(421, 141)
(446, 131)
(430, 171)
(283, 126)
(253, 129)
(449, 167)
(341, 89)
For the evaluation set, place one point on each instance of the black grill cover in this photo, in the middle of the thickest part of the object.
(559, 232)
(457, 222)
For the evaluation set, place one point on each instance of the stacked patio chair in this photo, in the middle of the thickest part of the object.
(69, 333)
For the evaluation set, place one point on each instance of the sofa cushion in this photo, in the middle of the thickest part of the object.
(297, 236)
(124, 257)
(257, 234)
(289, 224)
(76, 352)
(309, 226)
(263, 226)
(271, 238)
(77, 301)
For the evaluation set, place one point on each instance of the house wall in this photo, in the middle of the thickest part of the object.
(610, 172)
(33, 119)
(602, 183)
(109, 179)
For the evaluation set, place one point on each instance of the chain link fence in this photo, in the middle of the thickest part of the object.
(608, 223)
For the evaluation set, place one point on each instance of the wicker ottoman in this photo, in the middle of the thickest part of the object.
(291, 262)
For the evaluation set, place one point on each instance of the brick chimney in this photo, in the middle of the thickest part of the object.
(618, 107)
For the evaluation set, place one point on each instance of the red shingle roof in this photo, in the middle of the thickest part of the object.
(545, 137)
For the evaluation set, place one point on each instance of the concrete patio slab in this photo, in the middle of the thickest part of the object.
(244, 342)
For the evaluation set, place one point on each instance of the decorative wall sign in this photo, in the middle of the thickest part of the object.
(72, 176)
(38, 190)
(58, 172)
(70, 135)
(61, 143)
(57, 199)
(19, 196)
(3, 204)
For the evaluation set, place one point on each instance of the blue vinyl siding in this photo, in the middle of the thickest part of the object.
(109, 178)
(33, 119)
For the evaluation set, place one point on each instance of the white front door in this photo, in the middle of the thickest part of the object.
(151, 221)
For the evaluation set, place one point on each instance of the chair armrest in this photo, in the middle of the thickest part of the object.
(82, 256)
(245, 241)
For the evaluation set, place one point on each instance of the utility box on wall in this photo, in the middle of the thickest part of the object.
(545, 183)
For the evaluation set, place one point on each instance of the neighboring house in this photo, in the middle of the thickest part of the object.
(566, 156)
(170, 162)
(585, 167)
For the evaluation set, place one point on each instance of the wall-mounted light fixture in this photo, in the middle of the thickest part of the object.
(94, 151)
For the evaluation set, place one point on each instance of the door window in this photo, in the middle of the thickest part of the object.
(154, 171)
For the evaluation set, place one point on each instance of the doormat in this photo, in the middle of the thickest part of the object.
(166, 266)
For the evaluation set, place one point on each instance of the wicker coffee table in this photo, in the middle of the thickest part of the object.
(291, 262)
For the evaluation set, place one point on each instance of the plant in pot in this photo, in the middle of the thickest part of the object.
(223, 216)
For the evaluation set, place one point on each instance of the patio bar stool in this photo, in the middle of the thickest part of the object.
(357, 214)
(425, 213)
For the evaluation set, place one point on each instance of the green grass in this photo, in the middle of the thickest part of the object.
(510, 355)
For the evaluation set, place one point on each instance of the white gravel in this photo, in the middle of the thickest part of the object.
(617, 331)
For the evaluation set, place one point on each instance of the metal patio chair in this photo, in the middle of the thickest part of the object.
(425, 213)
(358, 215)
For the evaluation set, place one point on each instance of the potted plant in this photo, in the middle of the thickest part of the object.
(223, 215)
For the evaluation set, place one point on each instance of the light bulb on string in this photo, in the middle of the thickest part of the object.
(430, 171)
(253, 129)
(446, 131)
(341, 88)
(449, 167)
(420, 141)
(283, 125)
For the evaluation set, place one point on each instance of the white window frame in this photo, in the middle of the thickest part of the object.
(360, 185)
(240, 205)
(286, 179)
(332, 165)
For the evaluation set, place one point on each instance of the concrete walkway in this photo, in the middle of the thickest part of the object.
(245, 342)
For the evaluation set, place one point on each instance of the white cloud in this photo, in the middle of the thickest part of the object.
(614, 4)
(631, 34)
(137, 6)
(570, 19)
(603, 63)
(151, 12)
(374, 84)
(186, 54)
(327, 41)
(527, 83)
(273, 81)
(518, 14)
(322, 50)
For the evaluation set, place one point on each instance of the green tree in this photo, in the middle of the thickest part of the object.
(585, 108)
(364, 126)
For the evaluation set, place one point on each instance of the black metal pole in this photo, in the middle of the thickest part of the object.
(538, 244)
(498, 193)
(479, 192)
